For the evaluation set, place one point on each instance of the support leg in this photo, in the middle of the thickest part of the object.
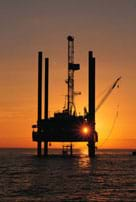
(39, 148)
(71, 150)
(45, 148)
(91, 149)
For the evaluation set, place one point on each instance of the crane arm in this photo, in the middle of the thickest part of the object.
(107, 94)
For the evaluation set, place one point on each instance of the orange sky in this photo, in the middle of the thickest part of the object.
(107, 27)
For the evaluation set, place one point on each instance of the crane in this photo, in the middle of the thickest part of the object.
(107, 93)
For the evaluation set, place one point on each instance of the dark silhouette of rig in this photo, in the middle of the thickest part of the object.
(66, 126)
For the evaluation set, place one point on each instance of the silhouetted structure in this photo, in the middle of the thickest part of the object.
(66, 126)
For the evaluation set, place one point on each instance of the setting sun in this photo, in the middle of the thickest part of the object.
(85, 130)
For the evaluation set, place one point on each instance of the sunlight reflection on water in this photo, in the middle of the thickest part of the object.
(108, 177)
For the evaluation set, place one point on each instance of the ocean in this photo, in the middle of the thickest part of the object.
(111, 176)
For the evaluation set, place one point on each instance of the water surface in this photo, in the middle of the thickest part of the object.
(111, 176)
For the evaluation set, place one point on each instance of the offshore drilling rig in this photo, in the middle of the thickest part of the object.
(66, 126)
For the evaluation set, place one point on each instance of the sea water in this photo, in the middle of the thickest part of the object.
(111, 176)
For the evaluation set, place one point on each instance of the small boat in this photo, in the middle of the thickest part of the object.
(134, 153)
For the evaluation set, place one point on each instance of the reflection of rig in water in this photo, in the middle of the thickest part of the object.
(66, 126)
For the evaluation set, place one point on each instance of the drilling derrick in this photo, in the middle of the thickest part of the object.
(70, 81)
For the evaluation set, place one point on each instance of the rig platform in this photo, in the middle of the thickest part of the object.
(66, 126)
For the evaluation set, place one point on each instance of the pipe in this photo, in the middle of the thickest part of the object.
(46, 87)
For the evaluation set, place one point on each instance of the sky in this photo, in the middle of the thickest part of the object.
(107, 27)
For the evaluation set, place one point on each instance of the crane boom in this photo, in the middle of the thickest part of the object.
(107, 93)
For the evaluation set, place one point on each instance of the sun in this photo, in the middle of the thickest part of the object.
(85, 130)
